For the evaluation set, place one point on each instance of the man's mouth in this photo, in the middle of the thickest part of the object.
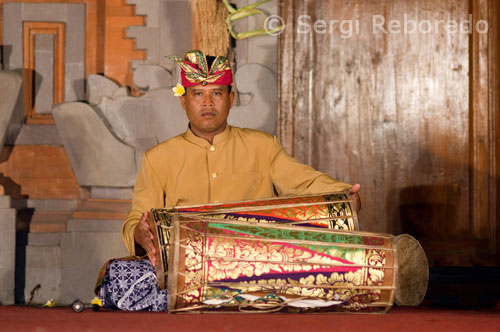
(208, 115)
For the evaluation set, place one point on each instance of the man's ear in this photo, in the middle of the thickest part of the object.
(183, 100)
(231, 98)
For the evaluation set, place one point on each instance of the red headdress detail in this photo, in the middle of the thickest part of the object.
(195, 69)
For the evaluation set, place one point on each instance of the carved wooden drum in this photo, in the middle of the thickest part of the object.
(216, 261)
(331, 210)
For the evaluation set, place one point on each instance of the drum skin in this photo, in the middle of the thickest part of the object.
(413, 273)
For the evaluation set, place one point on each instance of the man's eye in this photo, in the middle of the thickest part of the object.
(217, 93)
(197, 93)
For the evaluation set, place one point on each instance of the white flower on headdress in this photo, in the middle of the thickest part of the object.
(178, 90)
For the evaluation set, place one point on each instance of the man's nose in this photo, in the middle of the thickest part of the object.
(207, 100)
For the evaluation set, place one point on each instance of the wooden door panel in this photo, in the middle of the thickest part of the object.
(407, 115)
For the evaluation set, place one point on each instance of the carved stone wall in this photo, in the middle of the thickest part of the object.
(53, 72)
(167, 30)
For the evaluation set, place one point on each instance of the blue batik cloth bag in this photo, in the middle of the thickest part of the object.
(130, 284)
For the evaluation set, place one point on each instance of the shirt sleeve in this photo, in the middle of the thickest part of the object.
(148, 194)
(293, 178)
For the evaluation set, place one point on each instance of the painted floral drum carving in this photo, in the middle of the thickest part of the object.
(243, 266)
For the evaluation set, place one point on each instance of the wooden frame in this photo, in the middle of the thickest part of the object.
(494, 15)
(30, 31)
(286, 114)
(484, 133)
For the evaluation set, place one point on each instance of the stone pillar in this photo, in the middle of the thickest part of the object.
(43, 268)
(85, 247)
(7, 250)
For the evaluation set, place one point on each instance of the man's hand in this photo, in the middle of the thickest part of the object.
(355, 196)
(144, 237)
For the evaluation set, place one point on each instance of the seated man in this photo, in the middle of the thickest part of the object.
(212, 161)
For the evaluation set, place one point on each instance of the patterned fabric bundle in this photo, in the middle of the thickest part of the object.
(130, 284)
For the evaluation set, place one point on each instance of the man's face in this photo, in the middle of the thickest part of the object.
(207, 108)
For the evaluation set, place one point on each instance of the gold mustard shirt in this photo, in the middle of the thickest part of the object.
(241, 164)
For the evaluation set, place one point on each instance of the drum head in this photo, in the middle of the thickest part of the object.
(413, 271)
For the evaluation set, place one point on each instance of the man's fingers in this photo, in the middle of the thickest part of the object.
(152, 256)
(147, 242)
(354, 189)
(144, 218)
(150, 247)
(150, 250)
(144, 224)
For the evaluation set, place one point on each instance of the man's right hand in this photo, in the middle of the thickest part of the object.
(144, 237)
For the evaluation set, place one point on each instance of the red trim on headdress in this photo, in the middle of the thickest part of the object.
(225, 79)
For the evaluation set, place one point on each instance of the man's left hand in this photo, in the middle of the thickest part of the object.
(355, 196)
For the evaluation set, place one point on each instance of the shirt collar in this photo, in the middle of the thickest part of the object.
(191, 137)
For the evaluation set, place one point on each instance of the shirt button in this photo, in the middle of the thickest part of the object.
(212, 148)
(214, 175)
